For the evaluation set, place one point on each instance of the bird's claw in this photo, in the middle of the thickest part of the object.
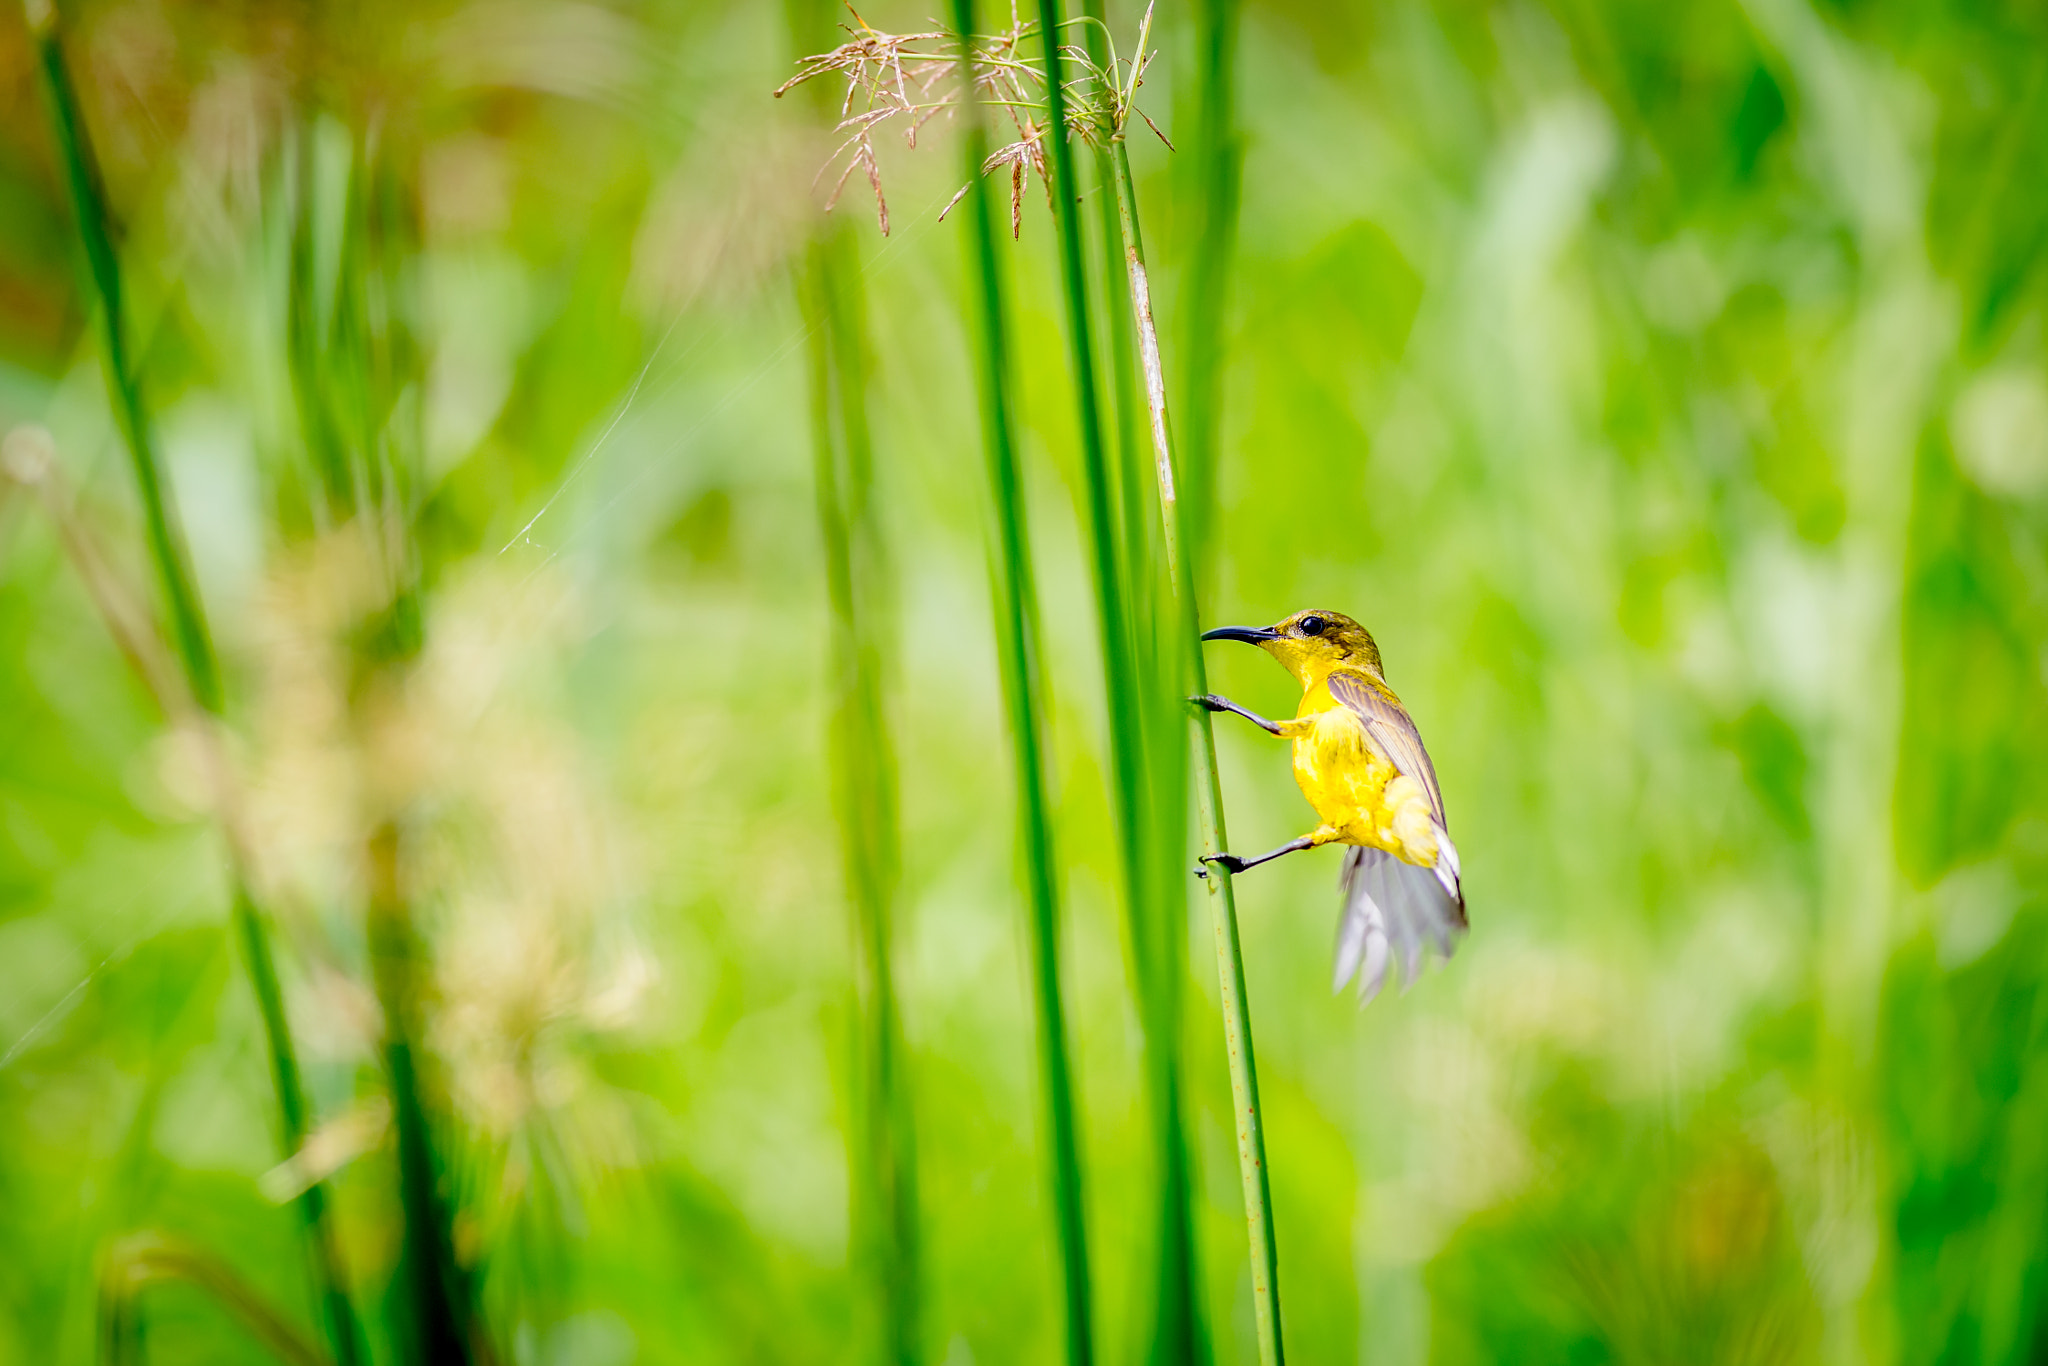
(1208, 701)
(1229, 863)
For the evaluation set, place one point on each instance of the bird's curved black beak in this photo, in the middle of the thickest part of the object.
(1250, 635)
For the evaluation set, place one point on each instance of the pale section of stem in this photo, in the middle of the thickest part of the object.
(1155, 382)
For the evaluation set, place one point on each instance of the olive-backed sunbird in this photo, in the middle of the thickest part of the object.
(1361, 764)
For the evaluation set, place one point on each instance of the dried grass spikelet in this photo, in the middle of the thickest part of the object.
(888, 76)
(904, 77)
(1024, 156)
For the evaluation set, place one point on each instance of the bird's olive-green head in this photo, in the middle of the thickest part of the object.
(1311, 643)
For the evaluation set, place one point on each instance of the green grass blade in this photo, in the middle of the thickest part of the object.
(1176, 1332)
(1017, 648)
(1237, 1023)
(195, 651)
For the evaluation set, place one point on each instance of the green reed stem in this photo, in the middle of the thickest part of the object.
(1237, 1021)
(1176, 1331)
(337, 1314)
(1128, 471)
(860, 587)
(864, 771)
(1017, 650)
(195, 649)
(365, 360)
(166, 545)
(304, 353)
(1214, 191)
(445, 1327)
(1180, 1333)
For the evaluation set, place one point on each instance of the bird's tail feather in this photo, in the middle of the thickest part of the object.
(1390, 909)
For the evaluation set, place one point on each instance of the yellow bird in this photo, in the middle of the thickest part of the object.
(1361, 764)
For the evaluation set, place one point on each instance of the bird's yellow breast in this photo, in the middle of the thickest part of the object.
(1356, 791)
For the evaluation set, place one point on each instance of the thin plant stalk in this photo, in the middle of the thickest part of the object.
(359, 365)
(1017, 649)
(864, 776)
(303, 350)
(166, 544)
(444, 1324)
(1180, 1333)
(1176, 1333)
(1237, 1023)
(1213, 184)
(1129, 469)
(194, 644)
(860, 589)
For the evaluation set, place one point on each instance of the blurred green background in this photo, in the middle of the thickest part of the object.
(1663, 384)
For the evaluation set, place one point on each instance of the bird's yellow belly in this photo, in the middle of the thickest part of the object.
(1359, 796)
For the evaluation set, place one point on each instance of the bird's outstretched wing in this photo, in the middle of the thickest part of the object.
(1391, 907)
(1393, 733)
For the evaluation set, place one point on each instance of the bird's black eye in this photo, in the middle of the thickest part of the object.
(1311, 626)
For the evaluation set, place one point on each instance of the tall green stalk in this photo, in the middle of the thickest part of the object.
(1017, 649)
(442, 1298)
(166, 543)
(1180, 1330)
(1176, 1334)
(1237, 1023)
(864, 774)
(194, 642)
(1214, 174)
(1128, 470)
(349, 375)
(864, 779)
(1213, 181)
(304, 352)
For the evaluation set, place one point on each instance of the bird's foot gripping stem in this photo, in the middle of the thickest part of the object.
(1229, 863)
(1209, 701)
